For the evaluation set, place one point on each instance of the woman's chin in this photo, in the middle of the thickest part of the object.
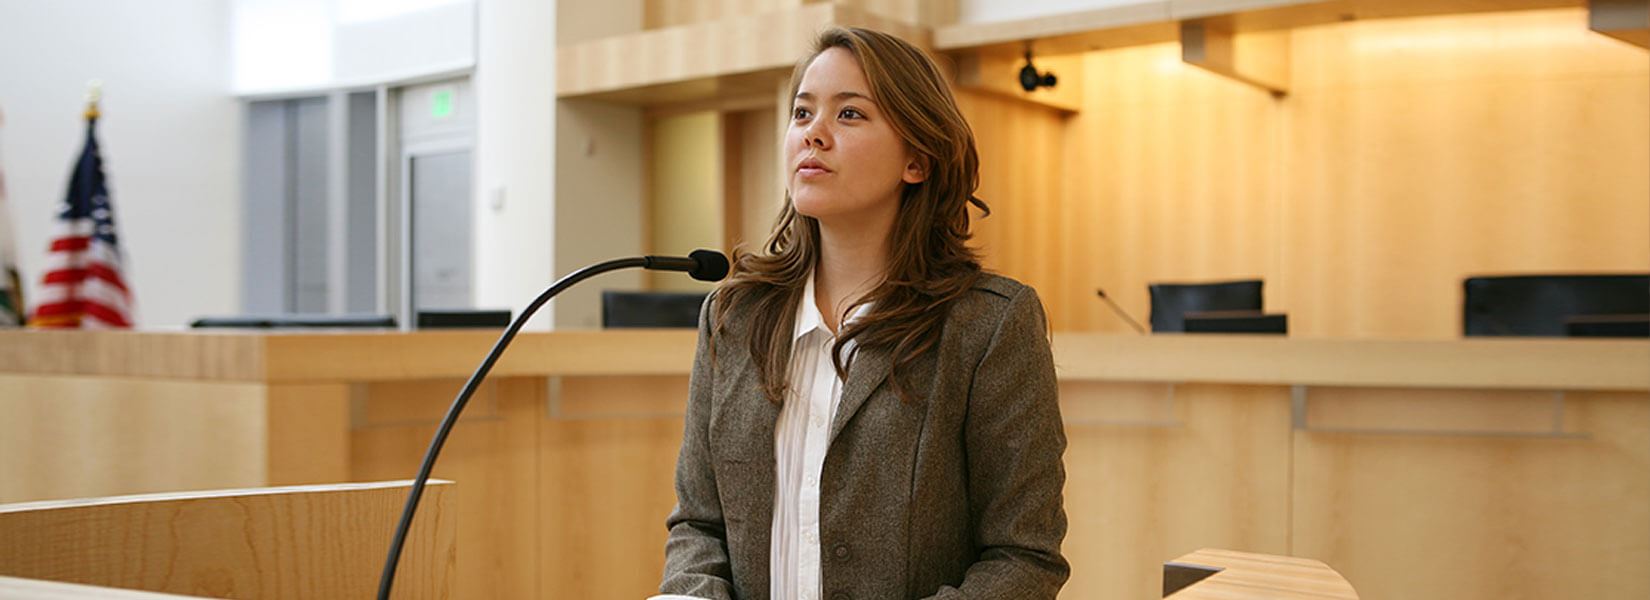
(808, 205)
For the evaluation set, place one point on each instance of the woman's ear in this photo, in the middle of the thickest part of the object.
(916, 170)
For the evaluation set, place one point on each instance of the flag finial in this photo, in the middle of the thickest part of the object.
(94, 93)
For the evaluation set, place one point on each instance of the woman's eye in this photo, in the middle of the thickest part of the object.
(851, 113)
(800, 113)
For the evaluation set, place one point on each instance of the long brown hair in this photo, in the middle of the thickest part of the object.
(929, 262)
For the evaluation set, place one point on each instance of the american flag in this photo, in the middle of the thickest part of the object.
(83, 287)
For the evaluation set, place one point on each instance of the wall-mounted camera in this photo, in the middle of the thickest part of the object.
(1030, 79)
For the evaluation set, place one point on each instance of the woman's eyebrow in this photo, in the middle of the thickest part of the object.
(839, 96)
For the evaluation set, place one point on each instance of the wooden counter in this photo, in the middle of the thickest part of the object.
(1417, 469)
(286, 357)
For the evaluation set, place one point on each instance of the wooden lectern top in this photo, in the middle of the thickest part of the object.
(1245, 576)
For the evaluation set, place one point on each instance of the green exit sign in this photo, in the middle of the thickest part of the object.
(441, 103)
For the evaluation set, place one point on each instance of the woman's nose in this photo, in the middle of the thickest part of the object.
(816, 135)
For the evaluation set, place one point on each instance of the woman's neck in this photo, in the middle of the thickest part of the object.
(852, 261)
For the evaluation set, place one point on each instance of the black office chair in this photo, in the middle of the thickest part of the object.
(651, 309)
(1541, 305)
(1171, 301)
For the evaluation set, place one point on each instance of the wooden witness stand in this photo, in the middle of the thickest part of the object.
(311, 541)
(1210, 574)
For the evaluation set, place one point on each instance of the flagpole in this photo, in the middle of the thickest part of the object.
(94, 94)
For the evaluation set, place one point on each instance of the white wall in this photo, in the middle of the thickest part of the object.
(170, 136)
(281, 46)
(432, 39)
(986, 11)
(515, 83)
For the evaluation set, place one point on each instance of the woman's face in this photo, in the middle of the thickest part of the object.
(845, 161)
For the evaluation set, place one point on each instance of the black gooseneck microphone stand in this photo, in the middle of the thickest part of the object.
(704, 265)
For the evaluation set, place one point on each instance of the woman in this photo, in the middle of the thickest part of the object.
(870, 415)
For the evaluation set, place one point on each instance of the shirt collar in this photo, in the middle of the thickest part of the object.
(808, 318)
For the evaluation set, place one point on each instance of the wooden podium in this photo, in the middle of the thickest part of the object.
(1210, 574)
(312, 541)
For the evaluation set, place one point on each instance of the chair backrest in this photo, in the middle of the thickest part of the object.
(651, 309)
(1239, 321)
(1171, 301)
(313, 541)
(1539, 305)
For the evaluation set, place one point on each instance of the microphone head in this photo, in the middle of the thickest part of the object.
(709, 265)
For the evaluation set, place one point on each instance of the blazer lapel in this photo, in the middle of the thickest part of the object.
(747, 427)
(867, 371)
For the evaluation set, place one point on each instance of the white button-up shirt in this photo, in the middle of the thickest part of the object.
(800, 438)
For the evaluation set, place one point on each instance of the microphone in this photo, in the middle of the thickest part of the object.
(703, 265)
(1121, 313)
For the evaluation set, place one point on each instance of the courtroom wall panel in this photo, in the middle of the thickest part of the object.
(1477, 515)
(1409, 154)
(1424, 150)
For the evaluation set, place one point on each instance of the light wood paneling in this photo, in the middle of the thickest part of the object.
(1137, 496)
(564, 486)
(1249, 576)
(297, 542)
(670, 13)
(35, 589)
(1410, 153)
(1164, 175)
(69, 437)
(1550, 364)
(686, 205)
(1625, 20)
(1421, 152)
(1260, 59)
(1149, 21)
(394, 367)
(202, 355)
(1112, 26)
(606, 486)
(999, 73)
(308, 356)
(928, 13)
(701, 54)
(1466, 518)
(1019, 145)
(1175, 185)
(427, 354)
(762, 193)
(491, 455)
(307, 429)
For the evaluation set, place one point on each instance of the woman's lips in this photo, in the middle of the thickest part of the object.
(812, 168)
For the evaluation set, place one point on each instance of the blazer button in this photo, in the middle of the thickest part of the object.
(841, 596)
(840, 551)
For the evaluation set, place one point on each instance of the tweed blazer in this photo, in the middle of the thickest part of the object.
(955, 494)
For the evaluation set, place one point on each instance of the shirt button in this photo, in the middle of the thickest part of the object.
(811, 481)
(817, 421)
(813, 538)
